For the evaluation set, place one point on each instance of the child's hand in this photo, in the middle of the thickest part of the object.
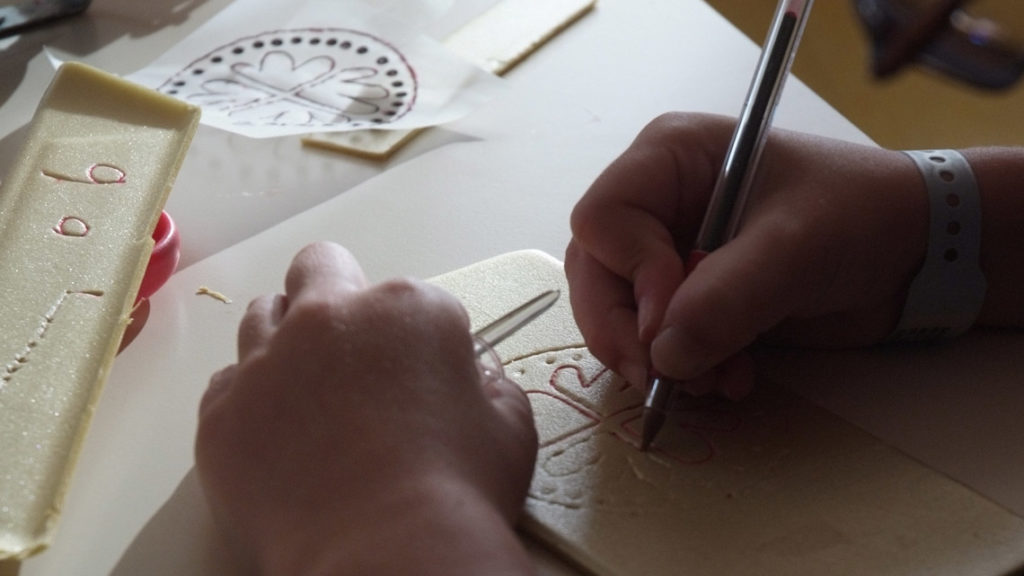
(834, 234)
(354, 433)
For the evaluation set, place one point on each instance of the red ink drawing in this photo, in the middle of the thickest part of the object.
(588, 421)
(106, 174)
(601, 397)
(72, 226)
(303, 77)
(100, 173)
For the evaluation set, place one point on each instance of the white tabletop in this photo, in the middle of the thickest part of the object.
(502, 179)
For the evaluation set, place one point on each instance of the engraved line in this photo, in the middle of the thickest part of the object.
(695, 428)
(90, 177)
(21, 358)
(579, 346)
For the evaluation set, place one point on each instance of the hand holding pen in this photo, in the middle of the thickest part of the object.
(831, 236)
(732, 188)
(733, 184)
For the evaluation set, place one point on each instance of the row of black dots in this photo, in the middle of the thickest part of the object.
(277, 42)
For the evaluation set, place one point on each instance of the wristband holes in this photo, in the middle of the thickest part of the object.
(953, 201)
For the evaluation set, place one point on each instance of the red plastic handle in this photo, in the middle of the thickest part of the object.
(164, 259)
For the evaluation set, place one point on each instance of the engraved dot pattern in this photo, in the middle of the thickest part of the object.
(301, 77)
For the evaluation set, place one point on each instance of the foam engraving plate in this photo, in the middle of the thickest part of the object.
(770, 485)
(77, 213)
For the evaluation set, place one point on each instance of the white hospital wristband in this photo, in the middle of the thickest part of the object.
(946, 296)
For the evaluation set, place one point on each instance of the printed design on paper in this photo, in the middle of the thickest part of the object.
(313, 77)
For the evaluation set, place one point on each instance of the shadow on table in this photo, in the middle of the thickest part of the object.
(953, 405)
(179, 539)
(104, 22)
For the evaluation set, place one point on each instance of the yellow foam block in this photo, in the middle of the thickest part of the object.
(77, 212)
(773, 485)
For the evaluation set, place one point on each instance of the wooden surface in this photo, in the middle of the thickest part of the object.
(917, 108)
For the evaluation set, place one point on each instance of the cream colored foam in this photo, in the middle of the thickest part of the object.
(496, 41)
(772, 485)
(76, 216)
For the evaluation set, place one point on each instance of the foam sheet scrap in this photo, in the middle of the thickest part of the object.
(266, 68)
(770, 485)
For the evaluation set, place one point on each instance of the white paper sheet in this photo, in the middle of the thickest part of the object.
(274, 68)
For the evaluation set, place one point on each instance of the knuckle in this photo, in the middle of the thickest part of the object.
(432, 304)
(311, 316)
(401, 288)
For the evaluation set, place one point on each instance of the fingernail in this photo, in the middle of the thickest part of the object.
(645, 323)
(635, 373)
(674, 354)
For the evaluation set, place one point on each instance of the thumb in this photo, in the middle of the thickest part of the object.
(513, 407)
(515, 445)
(736, 293)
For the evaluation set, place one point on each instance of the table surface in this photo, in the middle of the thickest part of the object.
(502, 179)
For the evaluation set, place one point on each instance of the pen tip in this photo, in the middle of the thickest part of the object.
(656, 403)
(652, 422)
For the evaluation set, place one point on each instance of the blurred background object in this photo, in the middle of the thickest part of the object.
(16, 15)
(911, 73)
(973, 42)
